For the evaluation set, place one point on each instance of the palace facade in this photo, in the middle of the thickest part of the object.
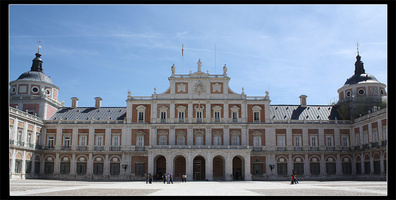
(199, 127)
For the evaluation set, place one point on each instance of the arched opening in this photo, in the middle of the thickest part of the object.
(218, 168)
(199, 168)
(180, 168)
(237, 169)
(160, 167)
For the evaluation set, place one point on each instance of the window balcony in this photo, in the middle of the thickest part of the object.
(82, 148)
(314, 148)
(115, 148)
(298, 148)
(365, 146)
(181, 120)
(375, 144)
(257, 148)
(38, 147)
(281, 148)
(65, 148)
(330, 148)
(383, 143)
(12, 142)
(137, 148)
(49, 147)
(346, 148)
(356, 147)
(98, 148)
(20, 143)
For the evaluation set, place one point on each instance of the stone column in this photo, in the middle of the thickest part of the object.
(189, 167)
(172, 112)
(150, 163)
(338, 165)
(306, 166)
(322, 166)
(226, 136)
(190, 136)
(106, 166)
(247, 175)
(209, 168)
(169, 164)
(228, 168)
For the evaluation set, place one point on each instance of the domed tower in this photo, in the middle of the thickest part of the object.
(360, 93)
(34, 92)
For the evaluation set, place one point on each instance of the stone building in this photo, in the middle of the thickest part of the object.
(199, 127)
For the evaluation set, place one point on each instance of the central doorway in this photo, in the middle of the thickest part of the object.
(179, 167)
(160, 168)
(218, 168)
(199, 168)
(237, 169)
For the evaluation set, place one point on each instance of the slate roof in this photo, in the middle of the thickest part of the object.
(296, 112)
(88, 113)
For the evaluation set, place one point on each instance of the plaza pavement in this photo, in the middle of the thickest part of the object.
(35, 187)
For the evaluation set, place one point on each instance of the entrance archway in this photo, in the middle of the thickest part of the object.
(218, 168)
(180, 167)
(199, 168)
(237, 168)
(160, 166)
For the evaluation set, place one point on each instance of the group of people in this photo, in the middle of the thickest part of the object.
(168, 178)
(294, 177)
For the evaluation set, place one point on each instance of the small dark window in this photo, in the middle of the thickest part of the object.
(361, 91)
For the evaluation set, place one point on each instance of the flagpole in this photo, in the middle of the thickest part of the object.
(182, 58)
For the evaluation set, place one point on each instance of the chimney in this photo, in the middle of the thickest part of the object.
(74, 102)
(303, 100)
(98, 102)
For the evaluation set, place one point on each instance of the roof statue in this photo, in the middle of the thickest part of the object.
(173, 69)
(199, 63)
(225, 70)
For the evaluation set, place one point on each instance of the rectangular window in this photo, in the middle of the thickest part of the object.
(330, 168)
(375, 135)
(37, 167)
(329, 141)
(198, 140)
(81, 168)
(99, 141)
(114, 168)
(365, 135)
(139, 169)
(18, 166)
(358, 168)
(48, 167)
(116, 141)
(199, 116)
(181, 116)
(19, 138)
(51, 142)
(282, 168)
(65, 168)
(98, 169)
(315, 168)
(163, 116)
(256, 141)
(217, 140)
(162, 140)
(66, 142)
(256, 116)
(345, 141)
(313, 141)
(234, 116)
(141, 117)
(140, 141)
(83, 141)
(280, 140)
(377, 167)
(297, 141)
(367, 167)
(257, 169)
(180, 140)
(217, 116)
(346, 168)
(299, 167)
(29, 140)
(235, 140)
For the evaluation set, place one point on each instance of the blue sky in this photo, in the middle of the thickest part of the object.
(105, 50)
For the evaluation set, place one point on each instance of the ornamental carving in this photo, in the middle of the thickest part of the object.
(199, 88)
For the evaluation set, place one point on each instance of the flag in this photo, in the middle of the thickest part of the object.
(182, 49)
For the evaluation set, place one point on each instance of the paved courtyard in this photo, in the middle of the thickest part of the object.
(33, 187)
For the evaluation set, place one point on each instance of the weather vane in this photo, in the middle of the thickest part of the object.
(357, 47)
(39, 46)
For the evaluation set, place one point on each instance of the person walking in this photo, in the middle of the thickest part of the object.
(295, 178)
(171, 178)
(183, 176)
(168, 178)
(150, 178)
(164, 177)
(147, 178)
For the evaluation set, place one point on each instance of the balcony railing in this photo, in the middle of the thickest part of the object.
(281, 148)
(298, 148)
(375, 144)
(314, 148)
(356, 147)
(257, 148)
(330, 148)
(98, 148)
(82, 148)
(115, 148)
(139, 148)
(346, 148)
